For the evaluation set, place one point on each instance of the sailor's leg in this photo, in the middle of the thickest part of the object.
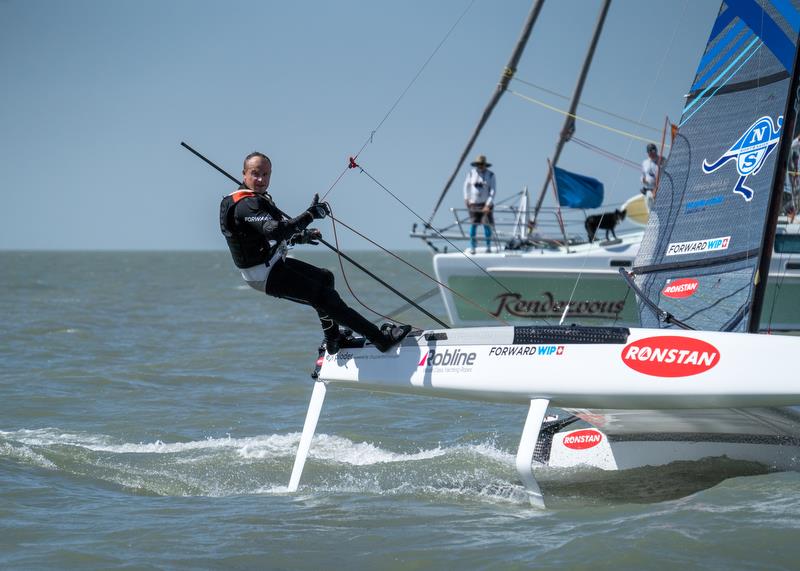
(312, 416)
(527, 446)
(298, 281)
(487, 232)
(472, 231)
(329, 327)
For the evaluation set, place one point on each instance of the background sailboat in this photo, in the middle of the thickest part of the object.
(697, 382)
(533, 280)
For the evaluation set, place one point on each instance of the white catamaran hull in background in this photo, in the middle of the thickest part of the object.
(539, 283)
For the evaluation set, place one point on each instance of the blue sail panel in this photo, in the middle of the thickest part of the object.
(762, 23)
(711, 210)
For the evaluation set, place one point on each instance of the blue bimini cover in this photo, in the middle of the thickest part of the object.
(577, 190)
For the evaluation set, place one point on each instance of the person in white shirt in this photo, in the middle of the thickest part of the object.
(650, 174)
(791, 185)
(479, 190)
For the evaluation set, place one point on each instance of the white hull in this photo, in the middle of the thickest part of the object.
(582, 375)
(648, 396)
(639, 451)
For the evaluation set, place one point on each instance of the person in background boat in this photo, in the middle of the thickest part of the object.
(479, 190)
(791, 187)
(650, 168)
(258, 234)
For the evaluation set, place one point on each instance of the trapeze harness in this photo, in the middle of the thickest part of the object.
(257, 236)
(252, 253)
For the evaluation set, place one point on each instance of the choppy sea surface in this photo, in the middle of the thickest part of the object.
(151, 406)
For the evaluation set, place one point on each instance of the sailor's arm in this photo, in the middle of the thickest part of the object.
(269, 223)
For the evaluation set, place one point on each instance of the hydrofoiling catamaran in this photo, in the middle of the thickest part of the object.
(695, 380)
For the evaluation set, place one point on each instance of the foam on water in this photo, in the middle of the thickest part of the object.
(26, 455)
(480, 471)
(228, 466)
(334, 449)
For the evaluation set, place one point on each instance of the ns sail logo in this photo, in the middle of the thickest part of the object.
(750, 152)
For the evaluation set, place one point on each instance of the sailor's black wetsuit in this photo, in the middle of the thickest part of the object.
(257, 233)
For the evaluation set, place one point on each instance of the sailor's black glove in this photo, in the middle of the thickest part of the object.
(307, 236)
(318, 210)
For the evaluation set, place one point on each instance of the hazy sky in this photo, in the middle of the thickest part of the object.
(98, 94)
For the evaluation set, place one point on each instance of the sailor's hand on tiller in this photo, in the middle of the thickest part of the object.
(307, 236)
(312, 235)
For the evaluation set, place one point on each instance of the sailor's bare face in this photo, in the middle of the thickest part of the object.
(257, 172)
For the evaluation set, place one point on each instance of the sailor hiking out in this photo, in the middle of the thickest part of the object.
(257, 233)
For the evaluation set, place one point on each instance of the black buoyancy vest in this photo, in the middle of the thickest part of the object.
(247, 248)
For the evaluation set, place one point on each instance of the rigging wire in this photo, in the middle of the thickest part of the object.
(591, 244)
(784, 262)
(721, 85)
(417, 300)
(624, 301)
(353, 164)
(606, 153)
(656, 78)
(588, 106)
(582, 118)
(344, 274)
(412, 266)
(397, 101)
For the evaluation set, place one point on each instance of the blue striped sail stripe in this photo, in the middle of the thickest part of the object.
(685, 119)
(716, 79)
(724, 41)
(765, 27)
(731, 48)
(789, 13)
(750, 13)
(723, 19)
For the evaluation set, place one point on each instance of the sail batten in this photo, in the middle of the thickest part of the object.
(715, 204)
(743, 85)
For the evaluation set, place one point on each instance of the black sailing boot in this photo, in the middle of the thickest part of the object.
(342, 339)
(384, 339)
(349, 341)
(390, 336)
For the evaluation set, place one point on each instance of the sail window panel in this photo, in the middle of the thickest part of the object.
(702, 301)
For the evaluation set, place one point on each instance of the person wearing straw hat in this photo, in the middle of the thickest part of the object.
(479, 190)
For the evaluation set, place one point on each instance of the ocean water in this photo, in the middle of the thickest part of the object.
(151, 406)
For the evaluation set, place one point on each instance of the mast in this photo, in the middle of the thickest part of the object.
(768, 241)
(569, 122)
(505, 79)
